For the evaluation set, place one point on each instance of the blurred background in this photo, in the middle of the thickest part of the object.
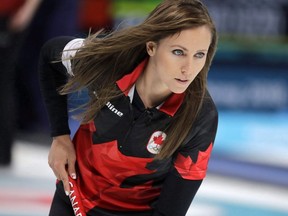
(248, 171)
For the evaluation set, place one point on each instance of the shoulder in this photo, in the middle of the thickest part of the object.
(53, 48)
(69, 51)
(204, 128)
(191, 159)
(208, 110)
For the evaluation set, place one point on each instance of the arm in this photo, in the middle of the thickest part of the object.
(51, 77)
(176, 196)
(190, 165)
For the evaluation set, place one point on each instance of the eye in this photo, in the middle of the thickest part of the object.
(178, 52)
(199, 55)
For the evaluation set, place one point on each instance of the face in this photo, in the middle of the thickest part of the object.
(176, 60)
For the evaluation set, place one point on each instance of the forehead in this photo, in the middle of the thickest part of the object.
(199, 37)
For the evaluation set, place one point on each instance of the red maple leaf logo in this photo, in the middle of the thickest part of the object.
(190, 170)
(158, 139)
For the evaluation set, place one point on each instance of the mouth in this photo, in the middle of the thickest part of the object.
(181, 80)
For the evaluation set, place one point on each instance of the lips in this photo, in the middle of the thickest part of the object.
(182, 80)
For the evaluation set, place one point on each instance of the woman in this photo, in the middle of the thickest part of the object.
(149, 126)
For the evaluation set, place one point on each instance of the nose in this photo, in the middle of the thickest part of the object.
(187, 69)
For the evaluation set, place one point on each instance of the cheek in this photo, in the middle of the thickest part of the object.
(200, 66)
(165, 64)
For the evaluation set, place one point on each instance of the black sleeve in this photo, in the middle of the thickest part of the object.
(176, 196)
(51, 77)
(190, 165)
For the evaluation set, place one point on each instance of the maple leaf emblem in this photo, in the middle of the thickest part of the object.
(158, 139)
(155, 142)
(190, 170)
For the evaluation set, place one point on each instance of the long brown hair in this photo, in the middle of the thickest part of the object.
(102, 61)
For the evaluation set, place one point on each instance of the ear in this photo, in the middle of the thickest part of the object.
(151, 48)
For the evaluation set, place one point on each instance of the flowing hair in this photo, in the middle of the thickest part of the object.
(102, 61)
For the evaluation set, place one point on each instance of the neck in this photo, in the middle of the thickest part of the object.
(148, 88)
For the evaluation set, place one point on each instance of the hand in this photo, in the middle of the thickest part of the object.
(62, 158)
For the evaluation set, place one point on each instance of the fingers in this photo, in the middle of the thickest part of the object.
(71, 172)
(65, 181)
(71, 168)
(61, 173)
(62, 160)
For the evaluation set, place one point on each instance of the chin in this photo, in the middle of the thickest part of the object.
(178, 91)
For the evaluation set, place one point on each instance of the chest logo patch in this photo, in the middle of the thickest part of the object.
(113, 109)
(155, 142)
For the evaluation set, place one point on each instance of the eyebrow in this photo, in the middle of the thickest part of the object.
(203, 50)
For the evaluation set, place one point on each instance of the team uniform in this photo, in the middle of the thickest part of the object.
(116, 170)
